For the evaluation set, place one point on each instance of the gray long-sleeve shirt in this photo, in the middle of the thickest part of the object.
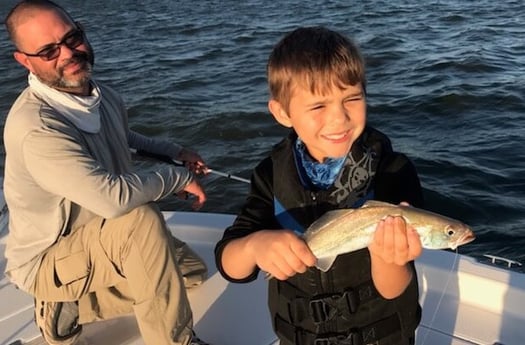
(58, 177)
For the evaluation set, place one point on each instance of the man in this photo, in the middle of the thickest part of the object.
(85, 238)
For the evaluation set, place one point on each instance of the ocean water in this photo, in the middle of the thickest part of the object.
(445, 82)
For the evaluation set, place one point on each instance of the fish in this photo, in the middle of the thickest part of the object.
(346, 230)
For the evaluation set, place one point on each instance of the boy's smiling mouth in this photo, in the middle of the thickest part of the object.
(337, 137)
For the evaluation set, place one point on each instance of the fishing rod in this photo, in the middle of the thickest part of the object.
(168, 159)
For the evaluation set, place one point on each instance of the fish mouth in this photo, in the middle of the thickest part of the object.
(466, 238)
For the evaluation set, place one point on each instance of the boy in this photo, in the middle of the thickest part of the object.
(330, 160)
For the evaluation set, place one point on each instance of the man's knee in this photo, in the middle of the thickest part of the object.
(145, 217)
(149, 211)
(142, 226)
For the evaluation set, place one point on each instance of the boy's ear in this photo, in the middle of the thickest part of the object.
(279, 113)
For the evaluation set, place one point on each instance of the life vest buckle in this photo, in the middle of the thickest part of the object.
(352, 338)
(325, 308)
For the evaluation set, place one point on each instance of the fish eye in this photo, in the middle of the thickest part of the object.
(450, 232)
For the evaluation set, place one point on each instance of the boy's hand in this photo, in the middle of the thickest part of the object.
(280, 253)
(395, 242)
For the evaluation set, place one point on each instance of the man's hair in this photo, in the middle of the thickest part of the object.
(23, 9)
(315, 58)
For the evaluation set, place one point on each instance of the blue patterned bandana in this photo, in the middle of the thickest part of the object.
(322, 175)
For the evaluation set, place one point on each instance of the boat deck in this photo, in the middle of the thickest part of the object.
(464, 302)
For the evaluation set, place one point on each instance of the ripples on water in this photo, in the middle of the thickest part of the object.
(445, 82)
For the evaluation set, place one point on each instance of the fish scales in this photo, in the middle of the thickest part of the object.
(347, 230)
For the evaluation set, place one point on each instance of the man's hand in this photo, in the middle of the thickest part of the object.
(193, 161)
(195, 189)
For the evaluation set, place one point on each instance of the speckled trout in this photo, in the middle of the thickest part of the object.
(342, 231)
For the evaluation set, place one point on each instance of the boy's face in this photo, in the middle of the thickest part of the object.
(327, 124)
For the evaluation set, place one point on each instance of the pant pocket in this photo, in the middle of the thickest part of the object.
(71, 267)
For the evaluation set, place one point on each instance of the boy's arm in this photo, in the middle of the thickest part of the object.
(395, 244)
(397, 181)
(257, 241)
(255, 214)
(280, 253)
(392, 252)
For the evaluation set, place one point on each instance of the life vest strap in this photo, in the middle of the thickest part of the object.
(323, 308)
(367, 335)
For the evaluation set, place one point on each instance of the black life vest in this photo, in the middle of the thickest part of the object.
(340, 306)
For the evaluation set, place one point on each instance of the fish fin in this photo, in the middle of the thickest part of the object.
(325, 263)
(334, 214)
(376, 203)
(328, 218)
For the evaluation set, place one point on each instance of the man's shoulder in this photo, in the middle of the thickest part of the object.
(26, 110)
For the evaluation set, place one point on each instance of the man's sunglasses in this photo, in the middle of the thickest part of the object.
(71, 40)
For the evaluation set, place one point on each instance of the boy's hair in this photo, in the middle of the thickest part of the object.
(315, 58)
(25, 7)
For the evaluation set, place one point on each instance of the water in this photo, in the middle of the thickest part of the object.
(445, 82)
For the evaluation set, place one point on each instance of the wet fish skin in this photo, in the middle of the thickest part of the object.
(346, 230)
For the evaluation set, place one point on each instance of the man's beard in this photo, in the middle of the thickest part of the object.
(75, 81)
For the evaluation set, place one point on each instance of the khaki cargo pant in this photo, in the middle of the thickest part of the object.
(123, 265)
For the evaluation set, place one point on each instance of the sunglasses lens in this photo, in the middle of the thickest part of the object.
(72, 40)
(75, 39)
(50, 54)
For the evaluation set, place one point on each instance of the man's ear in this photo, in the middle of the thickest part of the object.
(279, 113)
(23, 60)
